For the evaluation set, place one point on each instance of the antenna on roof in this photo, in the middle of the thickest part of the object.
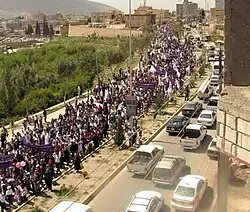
(144, 3)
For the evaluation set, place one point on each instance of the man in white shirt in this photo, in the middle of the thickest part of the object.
(57, 157)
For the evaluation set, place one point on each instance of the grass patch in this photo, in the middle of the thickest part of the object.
(37, 209)
(64, 190)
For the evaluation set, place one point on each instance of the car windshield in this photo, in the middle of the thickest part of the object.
(189, 107)
(185, 191)
(205, 116)
(142, 156)
(213, 143)
(192, 133)
(176, 122)
(212, 103)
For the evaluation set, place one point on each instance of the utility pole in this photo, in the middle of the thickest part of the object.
(220, 70)
(130, 60)
(223, 171)
(130, 47)
(97, 67)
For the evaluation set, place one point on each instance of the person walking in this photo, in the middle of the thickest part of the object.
(187, 92)
(45, 115)
(49, 177)
(77, 163)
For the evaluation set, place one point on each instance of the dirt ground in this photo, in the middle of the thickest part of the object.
(77, 186)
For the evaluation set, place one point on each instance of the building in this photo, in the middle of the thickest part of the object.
(161, 14)
(38, 16)
(55, 17)
(220, 4)
(233, 114)
(187, 9)
(13, 25)
(138, 20)
(217, 14)
(106, 16)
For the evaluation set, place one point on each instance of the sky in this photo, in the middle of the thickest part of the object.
(158, 4)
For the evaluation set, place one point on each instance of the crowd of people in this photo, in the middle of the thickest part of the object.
(34, 156)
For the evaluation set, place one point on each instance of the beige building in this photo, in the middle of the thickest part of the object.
(138, 20)
(217, 14)
(106, 16)
(161, 14)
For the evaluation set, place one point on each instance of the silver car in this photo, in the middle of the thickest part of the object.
(146, 201)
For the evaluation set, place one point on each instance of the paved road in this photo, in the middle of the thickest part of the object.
(117, 195)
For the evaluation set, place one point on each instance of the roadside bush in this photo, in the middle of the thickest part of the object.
(41, 77)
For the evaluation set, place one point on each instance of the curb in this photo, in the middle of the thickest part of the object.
(84, 95)
(106, 181)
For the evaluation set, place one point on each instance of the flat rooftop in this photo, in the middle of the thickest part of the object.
(235, 100)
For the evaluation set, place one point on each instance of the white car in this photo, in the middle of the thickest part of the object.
(71, 207)
(212, 150)
(189, 192)
(146, 201)
(212, 103)
(207, 118)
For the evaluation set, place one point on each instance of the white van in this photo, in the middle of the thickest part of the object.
(68, 206)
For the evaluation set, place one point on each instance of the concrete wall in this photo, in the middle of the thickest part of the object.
(82, 30)
(237, 37)
(233, 122)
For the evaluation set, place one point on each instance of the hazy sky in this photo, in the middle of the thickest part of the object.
(164, 4)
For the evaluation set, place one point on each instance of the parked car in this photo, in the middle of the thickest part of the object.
(212, 103)
(70, 206)
(189, 193)
(193, 136)
(146, 201)
(214, 81)
(177, 124)
(205, 91)
(212, 150)
(207, 118)
(191, 108)
(168, 170)
(144, 159)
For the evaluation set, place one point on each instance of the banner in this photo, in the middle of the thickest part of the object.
(8, 157)
(40, 148)
(146, 85)
(6, 164)
(160, 73)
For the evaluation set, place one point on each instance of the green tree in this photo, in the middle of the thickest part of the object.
(38, 30)
(29, 30)
(8, 92)
(51, 31)
(45, 28)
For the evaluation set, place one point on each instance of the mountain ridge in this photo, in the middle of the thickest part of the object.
(17, 7)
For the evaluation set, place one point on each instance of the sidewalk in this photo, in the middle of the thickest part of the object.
(52, 113)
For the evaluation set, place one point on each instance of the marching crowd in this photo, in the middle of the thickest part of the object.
(34, 156)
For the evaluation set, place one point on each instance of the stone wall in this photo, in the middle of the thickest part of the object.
(233, 122)
(237, 42)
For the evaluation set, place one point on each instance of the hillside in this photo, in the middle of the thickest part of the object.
(12, 8)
